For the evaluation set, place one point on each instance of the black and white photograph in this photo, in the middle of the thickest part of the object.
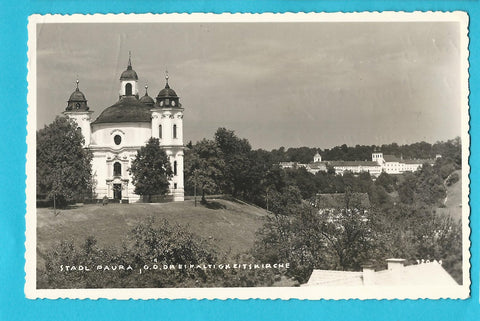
(244, 156)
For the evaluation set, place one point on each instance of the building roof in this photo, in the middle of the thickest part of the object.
(77, 96)
(167, 92)
(317, 165)
(419, 161)
(129, 74)
(331, 277)
(418, 274)
(337, 200)
(353, 163)
(127, 109)
(393, 158)
(146, 99)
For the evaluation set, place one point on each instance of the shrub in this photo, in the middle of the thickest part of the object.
(146, 255)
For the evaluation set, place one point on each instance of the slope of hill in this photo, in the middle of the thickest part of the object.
(229, 225)
(453, 201)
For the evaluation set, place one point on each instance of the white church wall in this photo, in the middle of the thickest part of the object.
(132, 134)
(99, 172)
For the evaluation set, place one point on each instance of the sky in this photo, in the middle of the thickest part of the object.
(316, 84)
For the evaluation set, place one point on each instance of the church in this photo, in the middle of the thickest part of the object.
(120, 130)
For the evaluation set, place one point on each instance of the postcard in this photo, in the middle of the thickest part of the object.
(272, 156)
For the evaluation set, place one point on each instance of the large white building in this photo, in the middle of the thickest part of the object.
(395, 165)
(380, 163)
(116, 135)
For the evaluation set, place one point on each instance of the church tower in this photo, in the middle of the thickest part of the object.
(129, 81)
(78, 110)
(377, 156)
(167, 126)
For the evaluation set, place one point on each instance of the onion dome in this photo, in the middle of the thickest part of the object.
(167, 97)
(146, 99)
(127, 110)
(77, 101)
(129, 74)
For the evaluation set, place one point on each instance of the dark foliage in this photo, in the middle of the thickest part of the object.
(400, 222)
(151, 249)
(204, 168)
(63, 165)
(151, 170)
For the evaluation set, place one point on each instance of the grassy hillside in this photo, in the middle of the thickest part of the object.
(453, 203)
(230, 226)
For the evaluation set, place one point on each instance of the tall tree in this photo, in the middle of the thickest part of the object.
(204, 167)
(63, 165)
(236, 156)
(151, 170)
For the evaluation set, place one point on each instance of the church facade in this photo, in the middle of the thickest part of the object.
(120, 130)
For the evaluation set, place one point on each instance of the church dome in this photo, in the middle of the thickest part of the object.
(127, 110)
(167, 92)
(77, 101)
(146, 99)
(77, 95)
(167, 97)
(129, 74)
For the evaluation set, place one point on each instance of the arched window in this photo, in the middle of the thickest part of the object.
(128, 89)
(160, 131)
(117, 169)
(175, 168)
(174, 131)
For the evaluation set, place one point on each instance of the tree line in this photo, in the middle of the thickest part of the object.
(227, 164)
(420, 150)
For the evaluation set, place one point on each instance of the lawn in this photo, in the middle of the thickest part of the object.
(230, 226)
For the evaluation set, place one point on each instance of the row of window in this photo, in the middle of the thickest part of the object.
(174, 131)
(117, 168)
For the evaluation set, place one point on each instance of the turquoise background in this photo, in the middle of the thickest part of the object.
(13, 106)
